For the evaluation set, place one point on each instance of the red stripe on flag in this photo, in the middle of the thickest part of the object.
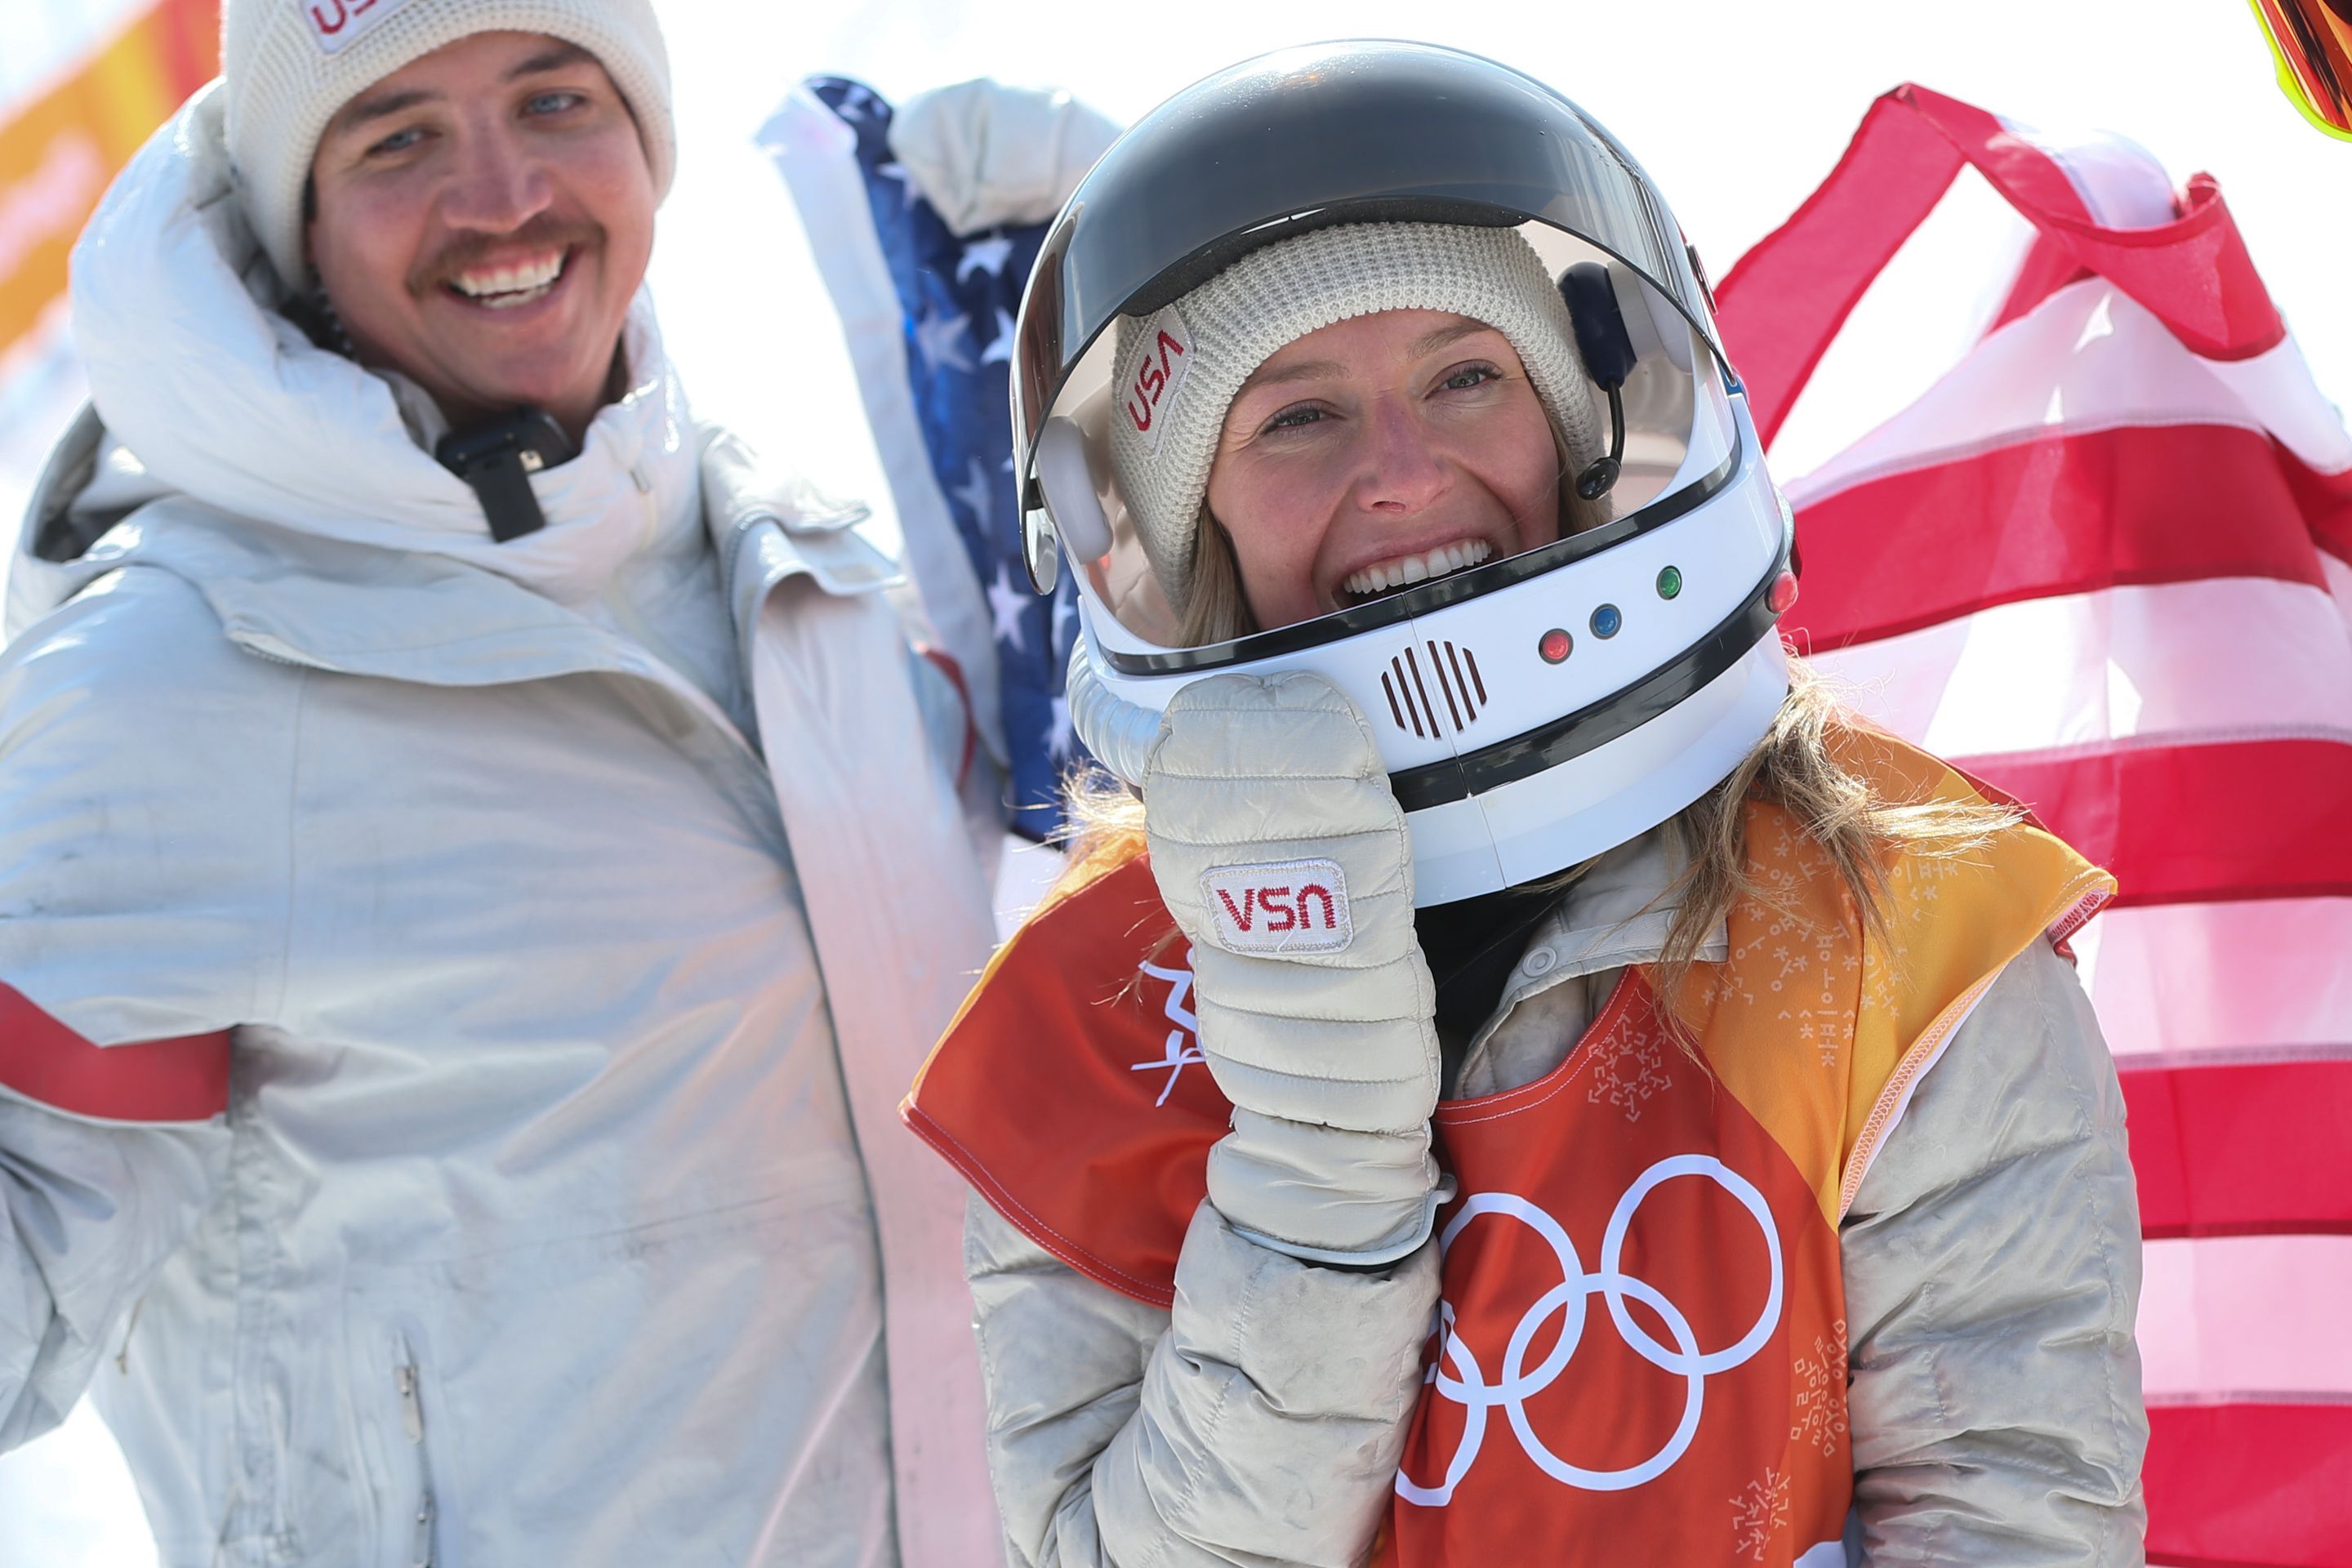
(2198, 823)
(1782, 302)
(2048, 267)
(2028, 175)
(2241, 1149)
(2195, 273)
(2327, 503)
(2249, 1485)
(2059, 514)
(184, 1080)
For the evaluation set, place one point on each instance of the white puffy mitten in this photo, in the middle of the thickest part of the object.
(1282, 853)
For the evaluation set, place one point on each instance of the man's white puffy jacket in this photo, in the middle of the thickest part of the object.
(535, 1228)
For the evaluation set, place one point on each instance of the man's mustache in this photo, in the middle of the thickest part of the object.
(470, 250)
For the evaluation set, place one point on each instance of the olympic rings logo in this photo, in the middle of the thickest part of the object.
(1467, 1387)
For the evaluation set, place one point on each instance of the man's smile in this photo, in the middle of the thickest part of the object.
(507, 286)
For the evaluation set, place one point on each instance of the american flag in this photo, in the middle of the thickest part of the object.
(2101, 562)
(929, 315)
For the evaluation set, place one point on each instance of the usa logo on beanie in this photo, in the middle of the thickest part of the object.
(336, 23)
(1152, 383)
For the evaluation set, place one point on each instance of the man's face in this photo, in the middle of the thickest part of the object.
(484, 216)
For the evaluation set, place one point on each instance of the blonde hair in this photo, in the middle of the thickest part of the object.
(1864, 833)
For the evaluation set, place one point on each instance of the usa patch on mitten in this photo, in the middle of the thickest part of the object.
(1287, 906)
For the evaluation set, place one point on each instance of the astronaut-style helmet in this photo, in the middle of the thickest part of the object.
(1533, 708)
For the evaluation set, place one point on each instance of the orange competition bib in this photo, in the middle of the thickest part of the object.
(1641, 1295)
(1638, 1348)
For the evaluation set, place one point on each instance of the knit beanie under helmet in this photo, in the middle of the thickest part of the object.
(1235, 321)
(290, 66)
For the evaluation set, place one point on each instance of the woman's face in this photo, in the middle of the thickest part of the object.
(1380, 452)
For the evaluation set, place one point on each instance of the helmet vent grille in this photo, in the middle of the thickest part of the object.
(1447, 671)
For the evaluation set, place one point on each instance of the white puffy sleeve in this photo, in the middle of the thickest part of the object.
(145, 765)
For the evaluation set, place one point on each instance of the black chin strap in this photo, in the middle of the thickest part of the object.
(496, 462)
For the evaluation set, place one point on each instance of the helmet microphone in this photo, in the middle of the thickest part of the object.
(1607, 352)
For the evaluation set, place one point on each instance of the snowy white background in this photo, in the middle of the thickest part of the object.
(1737, 109)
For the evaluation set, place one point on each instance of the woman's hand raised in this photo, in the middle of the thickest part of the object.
(1281, 853)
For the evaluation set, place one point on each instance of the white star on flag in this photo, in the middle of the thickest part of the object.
(854, 102)
(978, 493)
(906, 181)
(1005, 603)
(1062, 744)
(940, 339)
(984, 254)
(1000, 352)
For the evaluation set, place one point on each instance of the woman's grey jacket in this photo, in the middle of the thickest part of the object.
(1992, 1274)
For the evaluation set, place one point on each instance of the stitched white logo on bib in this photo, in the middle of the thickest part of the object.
(1151, 389)
(1289, 906)
(335, 23)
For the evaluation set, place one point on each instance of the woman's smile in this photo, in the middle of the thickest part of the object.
(1377, 453)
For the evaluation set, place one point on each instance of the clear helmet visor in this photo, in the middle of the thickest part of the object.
(1358, 131)
(1284, 554)
(1561, 684)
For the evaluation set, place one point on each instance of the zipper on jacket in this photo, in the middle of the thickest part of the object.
(412, 1427)
(123, 1357)
(652, 505)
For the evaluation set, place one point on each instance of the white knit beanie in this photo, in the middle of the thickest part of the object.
(290, 65)
(1163, 438)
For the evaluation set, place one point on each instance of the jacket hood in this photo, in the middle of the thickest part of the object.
(202, 389)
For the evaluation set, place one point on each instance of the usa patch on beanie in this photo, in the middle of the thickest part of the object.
(290, 66)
